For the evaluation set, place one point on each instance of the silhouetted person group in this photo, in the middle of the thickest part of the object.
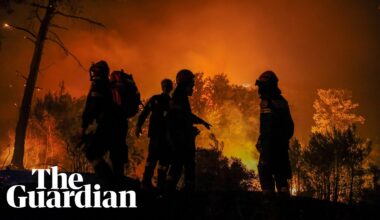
(182, 133)
(172, 132)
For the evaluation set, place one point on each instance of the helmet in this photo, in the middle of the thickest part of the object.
(185, 76)
(267, 78)
(268, 84)
(167, 84)
(99, 71)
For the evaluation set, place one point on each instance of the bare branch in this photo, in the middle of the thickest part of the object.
(30, 39)
(80, 18)
(67, 52)
(56, 36)
(58, 26)
(47, 67)
(38, 5)
(38, 15)
(23, 29)
(18, 73)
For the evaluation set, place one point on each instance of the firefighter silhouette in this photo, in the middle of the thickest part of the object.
(276, 128)
(181, 132)
(159, 150)
(111, 129)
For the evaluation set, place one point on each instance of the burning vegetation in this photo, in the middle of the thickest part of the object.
(54, 131)
(334, 165)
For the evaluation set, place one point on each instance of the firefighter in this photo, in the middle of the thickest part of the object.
(110, 130)
(181, 132)
(159, 151)
(276, 129)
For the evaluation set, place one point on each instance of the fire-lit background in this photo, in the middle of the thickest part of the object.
(310, 45)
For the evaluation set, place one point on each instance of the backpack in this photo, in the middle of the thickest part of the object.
(125, 93)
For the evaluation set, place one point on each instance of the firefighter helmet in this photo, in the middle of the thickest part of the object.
(185, 76)
(99, 71)
(167, 85)
(267, 78)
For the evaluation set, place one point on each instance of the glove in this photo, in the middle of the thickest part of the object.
(207, 125)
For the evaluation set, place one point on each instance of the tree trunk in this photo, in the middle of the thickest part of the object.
(351, 185)
(328, 189)
(22, 123)
(336, 178)
(298, 182)
(336, 187)
(324, 189)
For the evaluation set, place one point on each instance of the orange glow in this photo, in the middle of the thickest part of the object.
(310, 45)
(43, 148)
(6, 26)
(236, 141)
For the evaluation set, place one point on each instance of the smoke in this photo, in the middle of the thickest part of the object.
(236, 133)
(43, 147)
(301, 41)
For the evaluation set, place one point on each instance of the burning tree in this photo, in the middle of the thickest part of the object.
(334, 110)
(296, 163)
(53, 136)
(233, 110)
(335, 156)
(65, 111)
(334, 164)
(50, 9)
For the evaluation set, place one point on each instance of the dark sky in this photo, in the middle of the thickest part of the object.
(309, 44)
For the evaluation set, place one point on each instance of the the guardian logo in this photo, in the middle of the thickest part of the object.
(66, 192)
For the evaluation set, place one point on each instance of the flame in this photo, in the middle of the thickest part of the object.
(232, 110)
(234, 136)
(43, 147)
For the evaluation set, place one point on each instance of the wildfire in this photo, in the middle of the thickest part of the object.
(234, 134)
(42, 149)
